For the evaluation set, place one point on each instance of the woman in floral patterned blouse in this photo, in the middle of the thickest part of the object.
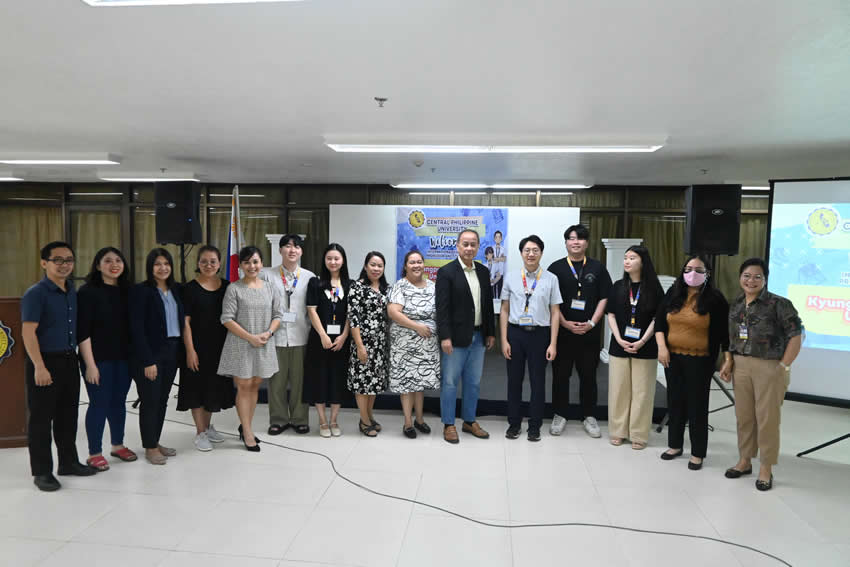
(369, 361)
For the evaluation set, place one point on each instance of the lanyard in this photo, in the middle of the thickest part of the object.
(633, 300)
(579, 274)
(533, 286)
(289, 291)
(334, 299)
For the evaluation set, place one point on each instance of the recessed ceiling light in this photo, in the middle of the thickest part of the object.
(440, 186)
(146, 177)
(119, 3)
(61, 159)
(486, 149)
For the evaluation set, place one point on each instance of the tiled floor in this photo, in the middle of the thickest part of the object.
(287, 509)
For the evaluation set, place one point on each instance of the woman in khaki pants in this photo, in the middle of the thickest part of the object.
(633, 351)
(764, 338)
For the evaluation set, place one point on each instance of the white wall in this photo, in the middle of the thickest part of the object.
(362, 228)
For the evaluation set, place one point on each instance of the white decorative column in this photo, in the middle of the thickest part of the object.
(615, 250)
(274, 240)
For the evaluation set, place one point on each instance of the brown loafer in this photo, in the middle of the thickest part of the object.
(475, 430)
(450, 434)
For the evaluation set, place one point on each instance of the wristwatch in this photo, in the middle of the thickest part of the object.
(785, 367)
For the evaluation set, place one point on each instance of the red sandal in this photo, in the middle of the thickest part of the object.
(98, 462)
(125, 455)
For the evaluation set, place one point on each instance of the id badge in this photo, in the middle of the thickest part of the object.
(526, 320)
(743, 334)
(633, 332)
(578, 304)
(334, 329)
(289, 317)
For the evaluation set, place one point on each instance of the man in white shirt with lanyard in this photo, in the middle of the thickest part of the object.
(290, 339)
(529, 324)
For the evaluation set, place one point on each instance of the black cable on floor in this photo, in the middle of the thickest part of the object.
(497, 525)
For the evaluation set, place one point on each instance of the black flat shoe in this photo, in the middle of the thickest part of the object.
(409, 432)
(423, 427)
(77, 469)
(276, 429)
(302, 429)
(512, 432)
(695, 466)
(665, 456)
(765, 485)
(735, 473)
(534, 435)
(46, 483)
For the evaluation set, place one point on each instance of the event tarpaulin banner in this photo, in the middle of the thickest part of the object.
(433, 232)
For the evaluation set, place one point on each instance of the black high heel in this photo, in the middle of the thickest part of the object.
(252, 448)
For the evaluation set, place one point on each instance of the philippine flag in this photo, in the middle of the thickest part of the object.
(234, 243)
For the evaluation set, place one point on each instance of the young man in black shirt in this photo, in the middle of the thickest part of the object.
(585, 285)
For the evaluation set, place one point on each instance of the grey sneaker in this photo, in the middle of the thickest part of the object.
(557, 425)
(591, 427)
(202, 442)
(214, 435)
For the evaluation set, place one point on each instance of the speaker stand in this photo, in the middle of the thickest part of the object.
(183, 263)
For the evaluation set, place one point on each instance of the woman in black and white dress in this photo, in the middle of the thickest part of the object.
(414, 348)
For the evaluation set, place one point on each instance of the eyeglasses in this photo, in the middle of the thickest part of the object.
(689, 269)
(754, 277)
(531, 251)
(61, 261)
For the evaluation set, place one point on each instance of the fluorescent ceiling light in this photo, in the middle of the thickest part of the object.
(93, 194)
(532, 193)
(540, 186)
(3, 178)
(483, 149)
(475, 192)
(118, 3)
(61, 159)
(231, 194)
(441, 186)
(146, 177)
(557, 193)
(428, 193)
(9, 176)
(755, 187)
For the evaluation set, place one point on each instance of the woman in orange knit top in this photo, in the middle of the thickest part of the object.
(691, 328)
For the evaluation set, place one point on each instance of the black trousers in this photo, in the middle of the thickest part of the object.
(581, 351)
(527, 348)
(153, 394)
(688, 388)
(53, 407)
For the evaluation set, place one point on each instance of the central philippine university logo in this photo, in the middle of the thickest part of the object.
(6, 342)
(416, 219)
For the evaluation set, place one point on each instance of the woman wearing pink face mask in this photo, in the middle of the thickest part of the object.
(691, 328)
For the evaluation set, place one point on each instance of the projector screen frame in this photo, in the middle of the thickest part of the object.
(796, 396)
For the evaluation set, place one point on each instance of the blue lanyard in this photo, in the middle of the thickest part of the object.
(579, 274)
(633, 301)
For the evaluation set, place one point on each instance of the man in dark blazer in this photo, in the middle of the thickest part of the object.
(466, 326)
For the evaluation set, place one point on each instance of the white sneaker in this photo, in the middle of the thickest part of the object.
(202, 442)
(557, 425)
(214, 435)
(591, 427)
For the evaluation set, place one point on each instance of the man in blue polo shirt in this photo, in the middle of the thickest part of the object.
(49, 315)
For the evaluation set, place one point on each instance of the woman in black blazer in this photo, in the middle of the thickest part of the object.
(155, 315)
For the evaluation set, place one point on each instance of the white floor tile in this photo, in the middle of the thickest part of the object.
(195, 559)
(576, 545)
(480, 498)
(145, 520)
(343, 495)
(359, 538)
(432, 540)
(251, 529)
(102, 555)
(58, 515)
(554, 501)
(23, 552)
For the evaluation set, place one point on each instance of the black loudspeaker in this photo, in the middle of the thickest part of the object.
(178, 208)
(713, 222)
